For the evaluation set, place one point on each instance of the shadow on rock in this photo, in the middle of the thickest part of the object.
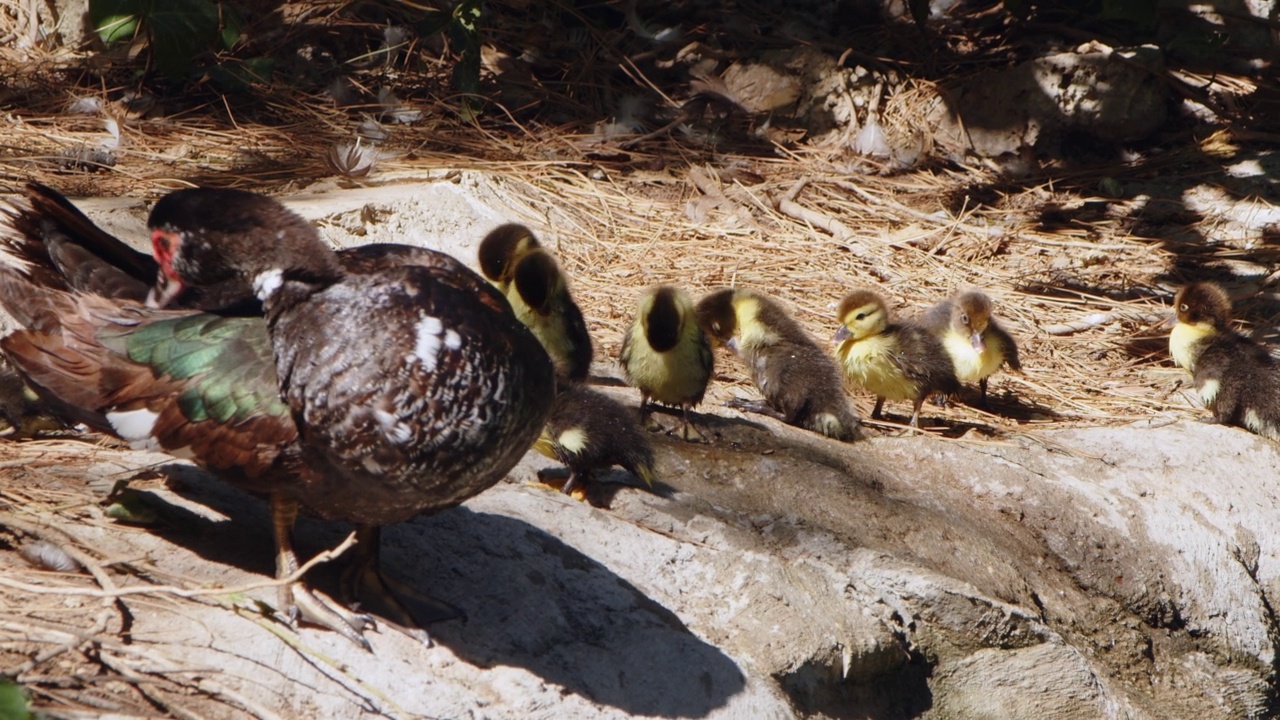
(537, 603)
(531, 600)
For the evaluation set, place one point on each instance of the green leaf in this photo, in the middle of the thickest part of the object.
(13, 702)
(466, 74)
(231, 24)
(179, 31)
(117, 20)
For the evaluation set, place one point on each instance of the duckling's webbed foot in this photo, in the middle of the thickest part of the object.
(759, 407)
(690, 432)
(401, 606)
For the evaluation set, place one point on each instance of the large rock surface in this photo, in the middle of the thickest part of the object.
(1066, 574)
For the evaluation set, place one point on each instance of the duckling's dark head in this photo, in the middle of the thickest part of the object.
(208, 236)
(716, 314)
(502, 248)
(538, 279)
(1203, 303)
(663, 313)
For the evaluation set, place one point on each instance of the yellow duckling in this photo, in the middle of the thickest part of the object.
(978, 346)
(666, 355)
(894, 361)
(513, 260)
(1235, 377)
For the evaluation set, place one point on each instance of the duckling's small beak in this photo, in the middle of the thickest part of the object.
(841, 335)
(976, 341)
(732, 344)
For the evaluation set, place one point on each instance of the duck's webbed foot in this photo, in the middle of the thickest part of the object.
(400, 605)
(295, 600)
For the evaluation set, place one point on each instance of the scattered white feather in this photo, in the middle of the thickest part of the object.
(44, 554)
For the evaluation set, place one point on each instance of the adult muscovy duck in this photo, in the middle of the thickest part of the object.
(406, 384)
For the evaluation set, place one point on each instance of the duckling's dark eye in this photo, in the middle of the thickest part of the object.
(1182, 307)
(964, 318)
(860, 316)
(715, 326)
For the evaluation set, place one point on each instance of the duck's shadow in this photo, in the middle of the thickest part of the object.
(532, 601)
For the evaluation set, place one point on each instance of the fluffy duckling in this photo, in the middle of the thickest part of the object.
(800, 383)
(895, 361)
(501, 249)
(1236, 378)
(978, 346)
(666, 355)
(589, 431)
(512, 258)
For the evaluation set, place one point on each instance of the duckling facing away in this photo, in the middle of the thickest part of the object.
(978, 346)
(800, 383)
(895, 361)
(590, 431)
(666, 355)
(513, 260)
(1236, 378)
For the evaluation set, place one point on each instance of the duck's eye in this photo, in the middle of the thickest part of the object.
(1182, 307)
(715, 326)
(860, 316)
(964, 318)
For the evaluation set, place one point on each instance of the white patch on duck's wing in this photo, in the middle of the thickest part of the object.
(452, 340)
(266, 283)
(426, 347)
(135, 427)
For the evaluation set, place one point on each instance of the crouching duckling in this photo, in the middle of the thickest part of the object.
(894, 361)
(666, 355)
(1235, 377)
(589, 431)
(800, 383)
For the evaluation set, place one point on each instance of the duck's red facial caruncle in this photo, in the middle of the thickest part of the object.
(164, 245)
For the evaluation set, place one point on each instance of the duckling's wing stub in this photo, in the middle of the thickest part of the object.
(921, 357)
(1239, 382)
(1008, 346)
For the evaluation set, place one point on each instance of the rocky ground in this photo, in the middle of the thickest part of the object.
(1082, 548)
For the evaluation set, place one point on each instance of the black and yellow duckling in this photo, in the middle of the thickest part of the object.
(978, 346)
(501, 249)
(666, 355)
(513, 260)
(1235, 377)
(800, 383)
(894, 361)
(590, 431)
